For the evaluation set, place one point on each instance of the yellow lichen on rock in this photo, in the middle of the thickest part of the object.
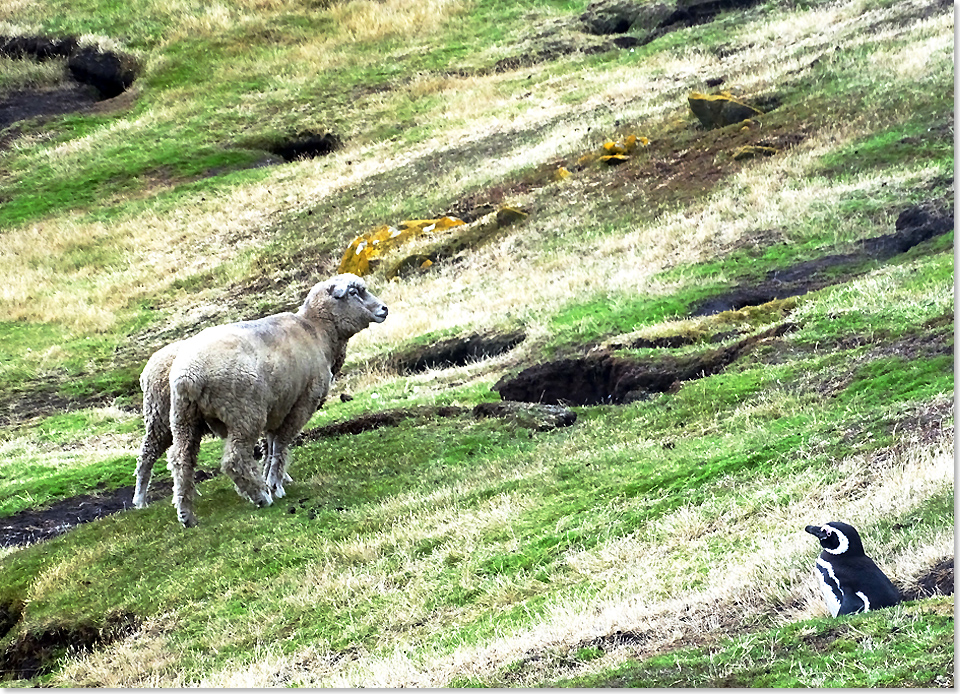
(625, 146)
(363, 253)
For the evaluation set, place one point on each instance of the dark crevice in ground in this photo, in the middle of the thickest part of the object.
(110, 73)
(914, 226)
(33, 654)
(307, 146)
(604, 378)
(28, 527)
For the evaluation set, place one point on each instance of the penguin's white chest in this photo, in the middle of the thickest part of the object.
(829, 586)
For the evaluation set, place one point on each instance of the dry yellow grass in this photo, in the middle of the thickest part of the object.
(154, 250)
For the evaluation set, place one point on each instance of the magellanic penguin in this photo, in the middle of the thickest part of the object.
(849, 579)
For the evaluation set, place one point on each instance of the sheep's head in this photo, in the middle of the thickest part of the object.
(347, 302)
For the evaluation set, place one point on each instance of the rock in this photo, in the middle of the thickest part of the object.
(508, 215)
(650, 17)
(719, 110)
(379, 250)
(605, 17)
(363, 254)
(527, 415)
(614, 159)
(110, 73)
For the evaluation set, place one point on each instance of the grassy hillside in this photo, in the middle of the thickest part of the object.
(750, 343)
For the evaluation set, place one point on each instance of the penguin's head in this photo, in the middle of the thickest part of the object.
(837, 538)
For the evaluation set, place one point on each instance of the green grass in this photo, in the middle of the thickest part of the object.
(461, 552)
(908, 645)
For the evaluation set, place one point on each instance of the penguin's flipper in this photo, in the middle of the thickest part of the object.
(853, 603)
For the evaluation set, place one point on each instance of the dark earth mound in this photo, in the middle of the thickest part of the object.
(937, 580)
(605, 378)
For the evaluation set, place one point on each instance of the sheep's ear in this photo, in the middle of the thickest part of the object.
(338, 290)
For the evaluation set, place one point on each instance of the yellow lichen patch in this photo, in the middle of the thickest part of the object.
(624, 146)
(363, 253)
(426, 251)
(561, 174)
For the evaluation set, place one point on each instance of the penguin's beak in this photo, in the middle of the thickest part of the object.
(817, 530)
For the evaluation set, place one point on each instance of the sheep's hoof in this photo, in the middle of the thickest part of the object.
(278, 492)
(139, 502)
(264, 500)
(188, 521)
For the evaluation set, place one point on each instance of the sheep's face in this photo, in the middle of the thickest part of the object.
(355, 303)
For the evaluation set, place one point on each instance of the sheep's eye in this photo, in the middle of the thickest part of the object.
(354, 291)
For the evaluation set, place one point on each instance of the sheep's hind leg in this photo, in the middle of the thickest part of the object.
(187, 431)
(281, 440)
(240, 466)
(157, 440)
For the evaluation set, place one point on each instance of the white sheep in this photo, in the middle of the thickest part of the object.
(245, 379)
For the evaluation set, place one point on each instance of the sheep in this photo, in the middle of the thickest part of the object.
(241, 380)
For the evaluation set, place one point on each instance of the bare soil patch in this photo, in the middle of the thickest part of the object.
(28, 527)
(21, 105)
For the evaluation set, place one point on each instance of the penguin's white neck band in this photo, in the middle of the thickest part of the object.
(842, 539)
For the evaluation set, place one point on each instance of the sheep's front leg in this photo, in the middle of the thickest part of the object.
(275, 470)
(240, 466)
(279, 443)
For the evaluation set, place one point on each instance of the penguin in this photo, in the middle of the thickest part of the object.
(849, 580)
